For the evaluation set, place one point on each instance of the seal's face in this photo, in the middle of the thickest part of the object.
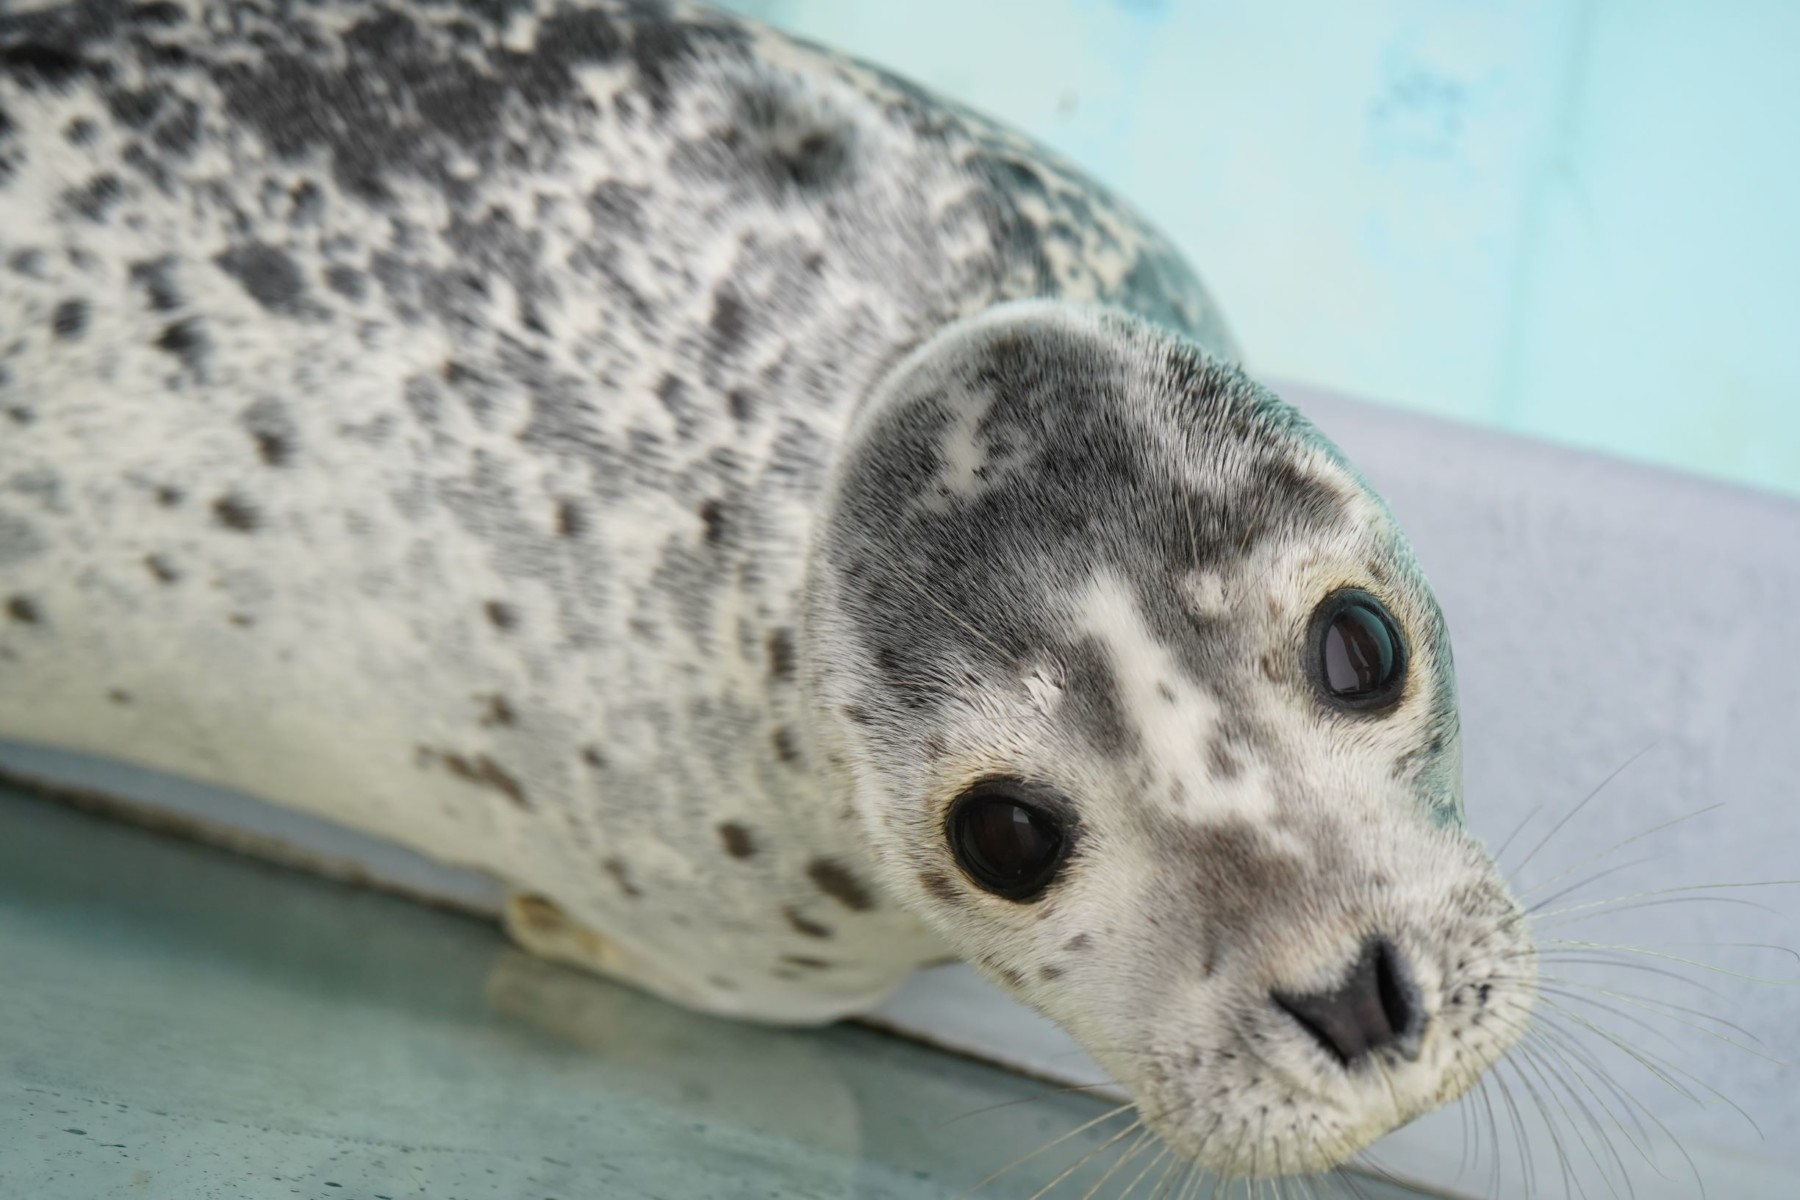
(1151, 714)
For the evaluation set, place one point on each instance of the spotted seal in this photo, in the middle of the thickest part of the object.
(785, 527)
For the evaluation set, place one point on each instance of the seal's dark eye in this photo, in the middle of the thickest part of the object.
(1359, 655)
(1008, 836)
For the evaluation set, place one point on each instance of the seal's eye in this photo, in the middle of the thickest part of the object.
(1008, 836)
(1359, 655)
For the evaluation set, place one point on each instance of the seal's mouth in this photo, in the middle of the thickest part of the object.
(1301, 1078)
(1280, 1123)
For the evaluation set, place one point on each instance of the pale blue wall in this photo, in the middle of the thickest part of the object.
(1578, 220)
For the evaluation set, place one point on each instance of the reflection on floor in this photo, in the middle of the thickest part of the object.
(176, 1022)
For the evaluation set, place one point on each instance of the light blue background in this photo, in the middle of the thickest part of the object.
(1575, 220)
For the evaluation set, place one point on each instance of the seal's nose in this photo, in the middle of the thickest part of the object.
(1377, 1007)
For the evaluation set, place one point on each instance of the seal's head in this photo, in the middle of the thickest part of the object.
(1150, 713)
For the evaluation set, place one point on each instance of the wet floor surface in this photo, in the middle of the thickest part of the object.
(179, 1023)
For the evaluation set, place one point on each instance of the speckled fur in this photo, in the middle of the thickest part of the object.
(660, 463)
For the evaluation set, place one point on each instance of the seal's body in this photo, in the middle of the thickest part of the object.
(701, 481)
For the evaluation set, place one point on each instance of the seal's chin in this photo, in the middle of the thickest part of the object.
(1278, 1126)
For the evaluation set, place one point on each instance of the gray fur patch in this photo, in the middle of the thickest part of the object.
(268, 273)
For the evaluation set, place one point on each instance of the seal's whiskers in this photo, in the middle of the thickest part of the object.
(1108, 1115)
(1577, 809)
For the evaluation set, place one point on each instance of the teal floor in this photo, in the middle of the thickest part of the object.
(176, 1022)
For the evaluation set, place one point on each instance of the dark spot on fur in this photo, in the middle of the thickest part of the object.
(21, 415)
(616, 868)
(801, 960)
(119, 696)
(267, 273)
(156, 278)
(1166, 692)
(161, 568)
(787, 745)
(484, 771)
(95, 198)
(80, 131)
(307, 202)
(781, 654)
(857, 715)
(347, 282)
(499, 712)
(1050, 971)
(938, 884)
(273, 448)
(70, 319)
(815, 159)
(501, 615)
(1080, 941)
(740, 403)
(712, 516)
(1221, 761)
(789, 145)
(592, 757)
(1269, 669)
(186, 342)
(168, 496)
(134, 107)
(737, 840)
(729, 321)
(235, 513)
(838, 883)
(160, 12)
(571, 522)
(800, 925)
(272, 432)
(178, 134)
(24, 610)
(678, 402)
(242, 620)
(1092, 692)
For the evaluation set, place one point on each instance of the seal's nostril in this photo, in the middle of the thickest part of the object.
(1307, 1014)
(1399, 1000)
(1376, 1008)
